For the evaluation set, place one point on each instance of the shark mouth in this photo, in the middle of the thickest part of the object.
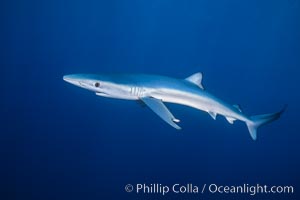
(102, 94)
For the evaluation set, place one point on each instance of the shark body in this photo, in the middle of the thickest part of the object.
(154, 90)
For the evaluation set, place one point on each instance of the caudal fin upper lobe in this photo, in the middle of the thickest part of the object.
(257, 121)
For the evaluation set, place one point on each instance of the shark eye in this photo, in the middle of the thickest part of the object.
(97, 84)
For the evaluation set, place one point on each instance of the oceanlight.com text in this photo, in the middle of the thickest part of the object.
(190, 188)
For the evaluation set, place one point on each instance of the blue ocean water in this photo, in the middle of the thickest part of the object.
(62, 142)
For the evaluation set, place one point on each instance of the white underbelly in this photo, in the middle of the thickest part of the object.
(191, 100)
(200, 102)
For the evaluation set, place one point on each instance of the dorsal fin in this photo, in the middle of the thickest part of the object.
(237, 106)
(196, 79)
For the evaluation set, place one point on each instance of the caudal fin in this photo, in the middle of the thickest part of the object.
(259, 120)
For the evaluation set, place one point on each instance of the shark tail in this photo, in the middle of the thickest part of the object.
(257, 121)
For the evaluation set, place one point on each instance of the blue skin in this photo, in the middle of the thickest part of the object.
(155, 89)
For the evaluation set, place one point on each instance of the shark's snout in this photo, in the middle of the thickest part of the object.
(71, 79)
(79, 81)
(68, 77)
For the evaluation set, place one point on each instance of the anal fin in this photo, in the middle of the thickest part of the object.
(230, 119)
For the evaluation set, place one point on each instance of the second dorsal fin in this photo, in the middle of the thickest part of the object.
(238, 107)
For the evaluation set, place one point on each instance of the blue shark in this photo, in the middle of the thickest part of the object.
(155, 90)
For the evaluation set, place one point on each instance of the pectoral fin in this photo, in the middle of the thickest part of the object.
(161, 110)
